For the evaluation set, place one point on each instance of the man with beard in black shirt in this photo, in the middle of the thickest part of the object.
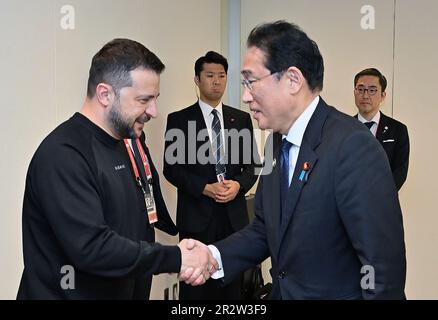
(92, 195)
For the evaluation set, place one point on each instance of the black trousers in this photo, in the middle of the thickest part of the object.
(219, 228)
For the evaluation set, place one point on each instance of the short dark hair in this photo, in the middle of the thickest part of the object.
(286, 45)
(372, 72)
(114, 62)
(210, 57)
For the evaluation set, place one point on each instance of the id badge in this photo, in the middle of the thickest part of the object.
(151, 209)
(221, 177)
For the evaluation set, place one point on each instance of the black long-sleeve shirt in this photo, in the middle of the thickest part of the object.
(83, 209)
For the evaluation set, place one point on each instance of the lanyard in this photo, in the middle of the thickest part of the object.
(149, 197)
(144, 159)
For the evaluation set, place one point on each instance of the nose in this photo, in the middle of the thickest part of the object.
(151, 109)
(246, 96)
(366, 92)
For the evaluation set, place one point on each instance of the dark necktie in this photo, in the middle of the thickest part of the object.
(369, 124)
(216, 143)
(284, 165)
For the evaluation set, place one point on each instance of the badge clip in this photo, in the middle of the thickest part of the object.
(221, 177)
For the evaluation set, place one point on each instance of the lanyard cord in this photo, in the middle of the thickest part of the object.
(149, 201)
(144, 161)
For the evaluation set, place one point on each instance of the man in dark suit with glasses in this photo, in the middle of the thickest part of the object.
(369, 94)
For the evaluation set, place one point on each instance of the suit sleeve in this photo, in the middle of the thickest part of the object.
(248, 177)
(175, 171)
(248, 247)
(401, 158)
(66, 189)
(369, 208)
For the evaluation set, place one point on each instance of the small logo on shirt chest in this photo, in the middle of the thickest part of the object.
(119, 167)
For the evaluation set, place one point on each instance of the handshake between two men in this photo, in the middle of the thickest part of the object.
(197, 262)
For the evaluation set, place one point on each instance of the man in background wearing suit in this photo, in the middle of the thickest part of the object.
(211, 196)
(328, 214)
(369, 93)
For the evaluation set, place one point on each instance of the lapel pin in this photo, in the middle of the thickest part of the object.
(231, 119)
(306, 168)
(274, 162)
(384, 129)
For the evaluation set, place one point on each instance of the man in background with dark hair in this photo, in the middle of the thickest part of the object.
(211, 194)
(328, 214)
(90, 204)
(369, 94)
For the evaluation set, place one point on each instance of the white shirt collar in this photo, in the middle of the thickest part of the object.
(296, 132)
(207, 109)
(375, 119)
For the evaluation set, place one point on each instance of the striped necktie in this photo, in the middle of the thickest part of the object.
(217, 145)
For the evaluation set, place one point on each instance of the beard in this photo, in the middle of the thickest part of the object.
(121, 126)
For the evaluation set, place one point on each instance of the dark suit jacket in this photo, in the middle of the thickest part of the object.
(194, 210)
(343, 216)
(393, 135)
(394, 138)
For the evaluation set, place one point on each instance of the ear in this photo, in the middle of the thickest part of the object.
(104, 94)
(196, 78)
(295, 79)
(383, 95)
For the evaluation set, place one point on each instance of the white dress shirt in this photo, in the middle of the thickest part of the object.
(296, 133)
(208, 117)
(375, 119)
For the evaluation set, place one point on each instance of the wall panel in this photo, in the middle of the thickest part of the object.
(415, 86)
(28, 114)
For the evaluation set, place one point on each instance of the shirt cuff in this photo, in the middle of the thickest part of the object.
(216, 254)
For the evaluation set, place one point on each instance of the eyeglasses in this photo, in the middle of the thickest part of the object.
(248, 84)
(361, 90)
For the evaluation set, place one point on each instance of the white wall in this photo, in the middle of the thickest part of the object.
(44, 74)
(28, 114)
(344, 45)
(415, 87)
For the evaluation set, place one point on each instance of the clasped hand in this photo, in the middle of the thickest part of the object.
(222, 192)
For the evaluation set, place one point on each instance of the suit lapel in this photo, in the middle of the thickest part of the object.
(228, 124)
(271, 183)
(311, 140)
(299, 179)
(274, 185)
(383, 128)
(229, 120)
(201, 140)
(199, 118)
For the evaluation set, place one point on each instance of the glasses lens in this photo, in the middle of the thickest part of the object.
(370, 91)
(247, 84)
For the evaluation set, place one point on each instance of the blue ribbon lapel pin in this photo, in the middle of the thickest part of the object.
(305, 171)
